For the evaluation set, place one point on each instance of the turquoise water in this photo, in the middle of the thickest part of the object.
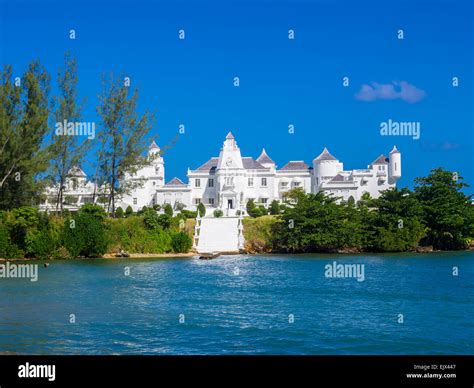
(242, 305)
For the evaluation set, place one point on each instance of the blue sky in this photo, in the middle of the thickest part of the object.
(282, 81)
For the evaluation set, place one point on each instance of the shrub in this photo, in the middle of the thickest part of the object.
(181, 242)
(151, 219)
(218, 213)
(188, 214)
(128, 211)
(84, 235)
(201, 209)
(164, 221)
(168, 210)
(119, 213)
(274, 207)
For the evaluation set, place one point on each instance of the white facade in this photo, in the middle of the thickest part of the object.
(228, 181)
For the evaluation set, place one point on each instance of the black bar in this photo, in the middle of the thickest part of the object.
(310, 371)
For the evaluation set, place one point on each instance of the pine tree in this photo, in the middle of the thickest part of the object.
(24, 114)
(66, 151)
(122, 138)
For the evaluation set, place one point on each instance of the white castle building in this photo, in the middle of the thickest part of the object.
(229, 180)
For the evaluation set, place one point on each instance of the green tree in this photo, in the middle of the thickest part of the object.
(85, 234)
(447, 211)
(24, 114)
(181, 242)
(311, 223)
(201, 209)
(119, 213)
(128, 211)
(274, 207)
(122, 138)
(66, 151)
(396, 224)
(168, 210)
(218, 213)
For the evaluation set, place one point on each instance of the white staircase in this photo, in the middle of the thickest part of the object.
(213, 235)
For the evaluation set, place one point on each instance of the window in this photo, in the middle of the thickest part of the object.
(296, 184)
(134, 201)
(197, 201)
(197, 183)
(264, 182)
(264, 200)
(211, 182)
(395, 165)
(154, 183)
(211, 201)
(157, 170)
(229, 181)
(250, 182)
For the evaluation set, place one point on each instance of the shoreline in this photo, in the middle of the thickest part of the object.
(140, 256)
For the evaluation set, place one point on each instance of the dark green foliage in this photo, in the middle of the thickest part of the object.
(397, 225)
(188, 213)
(119, 213)
(164, 221)
(128, 211)
(218, 213)
(181, 242)
(274, 207)
(447, 211)
(151, 219)
(24, 114)
(255, 211)
(314, 223)
(201, 209)
(84, 234)
(168, 210)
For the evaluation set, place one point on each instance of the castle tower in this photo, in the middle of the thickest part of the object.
(158, 165)
(394, 165)
(229, 157)
(325, 167)
(265, 160)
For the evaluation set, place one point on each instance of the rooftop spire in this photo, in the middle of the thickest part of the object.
(394, 150)
(153, 146)
(229, 136)
(264, 158)
(325, 155)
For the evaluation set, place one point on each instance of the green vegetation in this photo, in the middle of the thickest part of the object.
(218, 213)
(26, 232)
(201, 209)
(258, 233)
(437, 213)
(255, 211)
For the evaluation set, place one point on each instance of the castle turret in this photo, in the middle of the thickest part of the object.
(265, 160)
(395, 165)
(157, 165)
(326, 165)
(229, 157)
